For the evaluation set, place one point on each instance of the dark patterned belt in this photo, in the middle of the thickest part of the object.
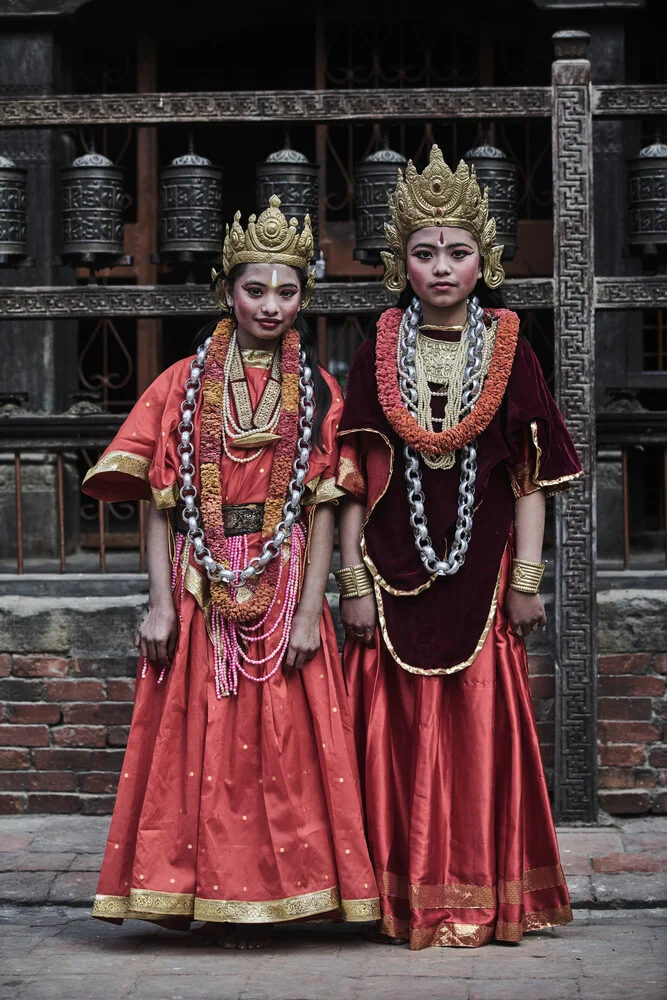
(237, 519)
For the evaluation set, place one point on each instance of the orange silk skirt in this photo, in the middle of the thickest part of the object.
(458, 816)
(245, 809)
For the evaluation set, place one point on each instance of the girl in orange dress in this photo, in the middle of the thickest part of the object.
(450, 440)
(239, 799)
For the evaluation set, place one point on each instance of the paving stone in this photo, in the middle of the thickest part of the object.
(576, 864)
(75, 988)
(627, 890)
(11, 843)
(615, 988)
(645, 841)
(524, 989)
(74, 888)
(643, 862)
(86, 863)
(588, 843)
(29, 861)
(580, 889)
(25, 888)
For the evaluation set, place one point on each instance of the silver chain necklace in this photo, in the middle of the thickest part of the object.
(187, 472)
(472, 387)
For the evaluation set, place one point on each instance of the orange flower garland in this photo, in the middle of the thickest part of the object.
(281, 471)
(405, 425)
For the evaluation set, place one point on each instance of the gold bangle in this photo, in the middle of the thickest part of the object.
(527, 576)
(354, 581)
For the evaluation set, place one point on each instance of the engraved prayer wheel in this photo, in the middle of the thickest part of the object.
(647, 198)
(13, 228)
(295, 180)
(374, 181)
(190, 206)
(496, 171)
(93, 201)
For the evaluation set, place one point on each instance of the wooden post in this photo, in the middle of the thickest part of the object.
(575, 785)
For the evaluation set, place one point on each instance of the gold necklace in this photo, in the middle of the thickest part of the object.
(442, 329)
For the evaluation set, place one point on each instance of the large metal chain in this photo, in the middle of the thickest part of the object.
(472, 387)
(187, 472)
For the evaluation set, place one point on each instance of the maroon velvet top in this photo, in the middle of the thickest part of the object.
(440, 628)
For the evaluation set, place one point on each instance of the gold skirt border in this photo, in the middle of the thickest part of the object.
(142, 904)
(458, 935)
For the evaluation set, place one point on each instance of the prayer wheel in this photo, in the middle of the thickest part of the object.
(13, 229)
(496, 171)
(647, 198)
(295, 180)
(190, 206)
(374, 181)
(93, 201)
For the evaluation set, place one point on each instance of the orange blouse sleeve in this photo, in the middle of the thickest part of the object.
(321, 486)
(142, 462)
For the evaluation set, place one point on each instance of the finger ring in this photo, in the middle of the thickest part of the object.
(360, 635)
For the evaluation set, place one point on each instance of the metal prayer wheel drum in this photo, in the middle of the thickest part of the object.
(93, 201)
(295, 180)
(13, 228)
(190, 206)
(647, 196)
(496, 171)
(374, 181)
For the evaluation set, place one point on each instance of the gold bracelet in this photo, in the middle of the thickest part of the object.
(354, 581)
(526, 576)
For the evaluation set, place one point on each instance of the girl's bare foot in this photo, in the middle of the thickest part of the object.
(212, 933)
(248, 936)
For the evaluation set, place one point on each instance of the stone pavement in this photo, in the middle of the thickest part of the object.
(51, 950)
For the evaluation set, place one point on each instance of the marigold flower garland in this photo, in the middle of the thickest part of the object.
(211, 453)
(405, 425)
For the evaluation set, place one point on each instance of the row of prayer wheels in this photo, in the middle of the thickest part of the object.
(191, 223)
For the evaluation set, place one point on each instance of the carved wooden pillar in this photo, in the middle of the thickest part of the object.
(575, 792)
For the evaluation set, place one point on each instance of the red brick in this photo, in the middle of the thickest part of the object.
(117, 736)
(620, 755)
(660, 803)
(542, 686)
(611, 864)
(97, 805)
(12, 804)
(105, 666)
(55, 803)
(624, 663)
(33, 712)
(39, 666)
(24, 736)
(120, 690)
(70, 690)
(659, 665)
(99, 784)
(658, 757)
(80, 736)
(17, 689)
(625, 777)
(628, 732)
(50, 781)
(639, 709)
(647, 687)
(114, 713)
(627, 803)
(12, 781)
(57, 760)
(540, 664)
(106, 760)
(11, 760)
(4, 665)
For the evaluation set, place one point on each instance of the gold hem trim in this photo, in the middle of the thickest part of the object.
(120, 461)
(150, 905)
(166, 498)
(457, 935)
(468, 896)
(551, 486)
(436, 671)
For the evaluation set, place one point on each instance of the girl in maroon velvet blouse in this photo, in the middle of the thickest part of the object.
(450, 442)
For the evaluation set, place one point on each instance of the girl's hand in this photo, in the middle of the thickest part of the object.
(304, 640)
(158, 635)
(359, 616)
(525, 612)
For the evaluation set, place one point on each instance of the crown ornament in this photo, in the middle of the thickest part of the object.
(439, 197)
(269, 239)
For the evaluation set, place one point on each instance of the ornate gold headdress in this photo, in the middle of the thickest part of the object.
(438, 197)
(269, 239)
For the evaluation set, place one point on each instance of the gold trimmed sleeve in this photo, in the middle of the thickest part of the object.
(115, 477)
(525, 476)
(322, 491)
(166, 498)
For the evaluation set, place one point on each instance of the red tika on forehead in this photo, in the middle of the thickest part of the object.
(441, 238)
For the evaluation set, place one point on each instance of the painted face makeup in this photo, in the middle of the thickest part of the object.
(443, 265)
(266, 301)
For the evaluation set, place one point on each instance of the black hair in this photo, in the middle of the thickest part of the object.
(489, 298)
(309, 345)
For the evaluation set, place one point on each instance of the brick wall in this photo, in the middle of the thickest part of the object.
(65, 721)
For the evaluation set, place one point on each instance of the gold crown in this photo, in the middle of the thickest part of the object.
(438, 197)
(271, 239)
